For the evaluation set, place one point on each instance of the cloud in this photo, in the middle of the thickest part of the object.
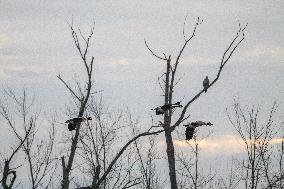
(228, 144)
(267, 51)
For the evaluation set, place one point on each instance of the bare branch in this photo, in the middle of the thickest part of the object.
(159, 57)
(69, 88)
(223, 63)
(179, 56)
(83, 101)
(123, 149)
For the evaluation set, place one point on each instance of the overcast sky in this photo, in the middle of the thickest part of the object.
(36, 46)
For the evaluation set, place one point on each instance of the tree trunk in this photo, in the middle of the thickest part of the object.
(168, 131)
(171, 159)
(67, 168)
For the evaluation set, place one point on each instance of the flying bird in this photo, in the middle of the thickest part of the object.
(206, 83)
(162, 109)
(190, 128)
(74, 121)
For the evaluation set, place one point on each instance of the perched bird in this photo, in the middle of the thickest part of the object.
(161, 109)
(190, 128)
(206, 83)
(74, 121)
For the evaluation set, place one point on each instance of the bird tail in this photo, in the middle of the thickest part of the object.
(205, 90)
(209, 123)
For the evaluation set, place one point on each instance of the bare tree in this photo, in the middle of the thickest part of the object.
(274, 177)
(40, 155)
(191, 175)
(147, 157)
(169, 82)
(257, 136)
(21, 119)
(115, 165)
(7, 170)
(81, 97)
(231, 180)
(99, 141)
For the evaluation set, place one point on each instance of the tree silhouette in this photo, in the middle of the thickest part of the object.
(169, 82)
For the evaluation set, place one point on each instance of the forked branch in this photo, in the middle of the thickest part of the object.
(68, 164)
(154, 54)
(198, 22)
(237, 40)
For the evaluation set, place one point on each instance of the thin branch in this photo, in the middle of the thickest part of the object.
(122, 150)
(159, 57)
(69, 88)
(223, 63)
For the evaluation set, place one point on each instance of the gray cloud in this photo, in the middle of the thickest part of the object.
(35, 39)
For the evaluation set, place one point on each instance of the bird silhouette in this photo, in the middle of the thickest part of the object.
(206, 83)
(162, 109)
(190, 128)
(74, 121)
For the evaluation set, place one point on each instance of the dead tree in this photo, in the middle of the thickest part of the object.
(81, 97)
(258, 169)
(147, 157)
(9, 172)
(99, 142)
(190, 173)
(38, 152)
(104, 169)
(169, 79)
(276, 179)
(230, 181)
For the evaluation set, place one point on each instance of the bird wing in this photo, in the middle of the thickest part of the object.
(78, 119)
(199, 123)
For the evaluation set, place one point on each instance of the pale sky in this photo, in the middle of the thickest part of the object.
(36, 46)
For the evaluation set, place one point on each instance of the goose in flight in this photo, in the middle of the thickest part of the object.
(162, 109)
(190, 128)
(74, 121)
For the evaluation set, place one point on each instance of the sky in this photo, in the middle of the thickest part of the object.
(36, 45)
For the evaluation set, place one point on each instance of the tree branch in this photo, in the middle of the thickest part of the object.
(223, 63)
(159, 57)
(69, 88)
